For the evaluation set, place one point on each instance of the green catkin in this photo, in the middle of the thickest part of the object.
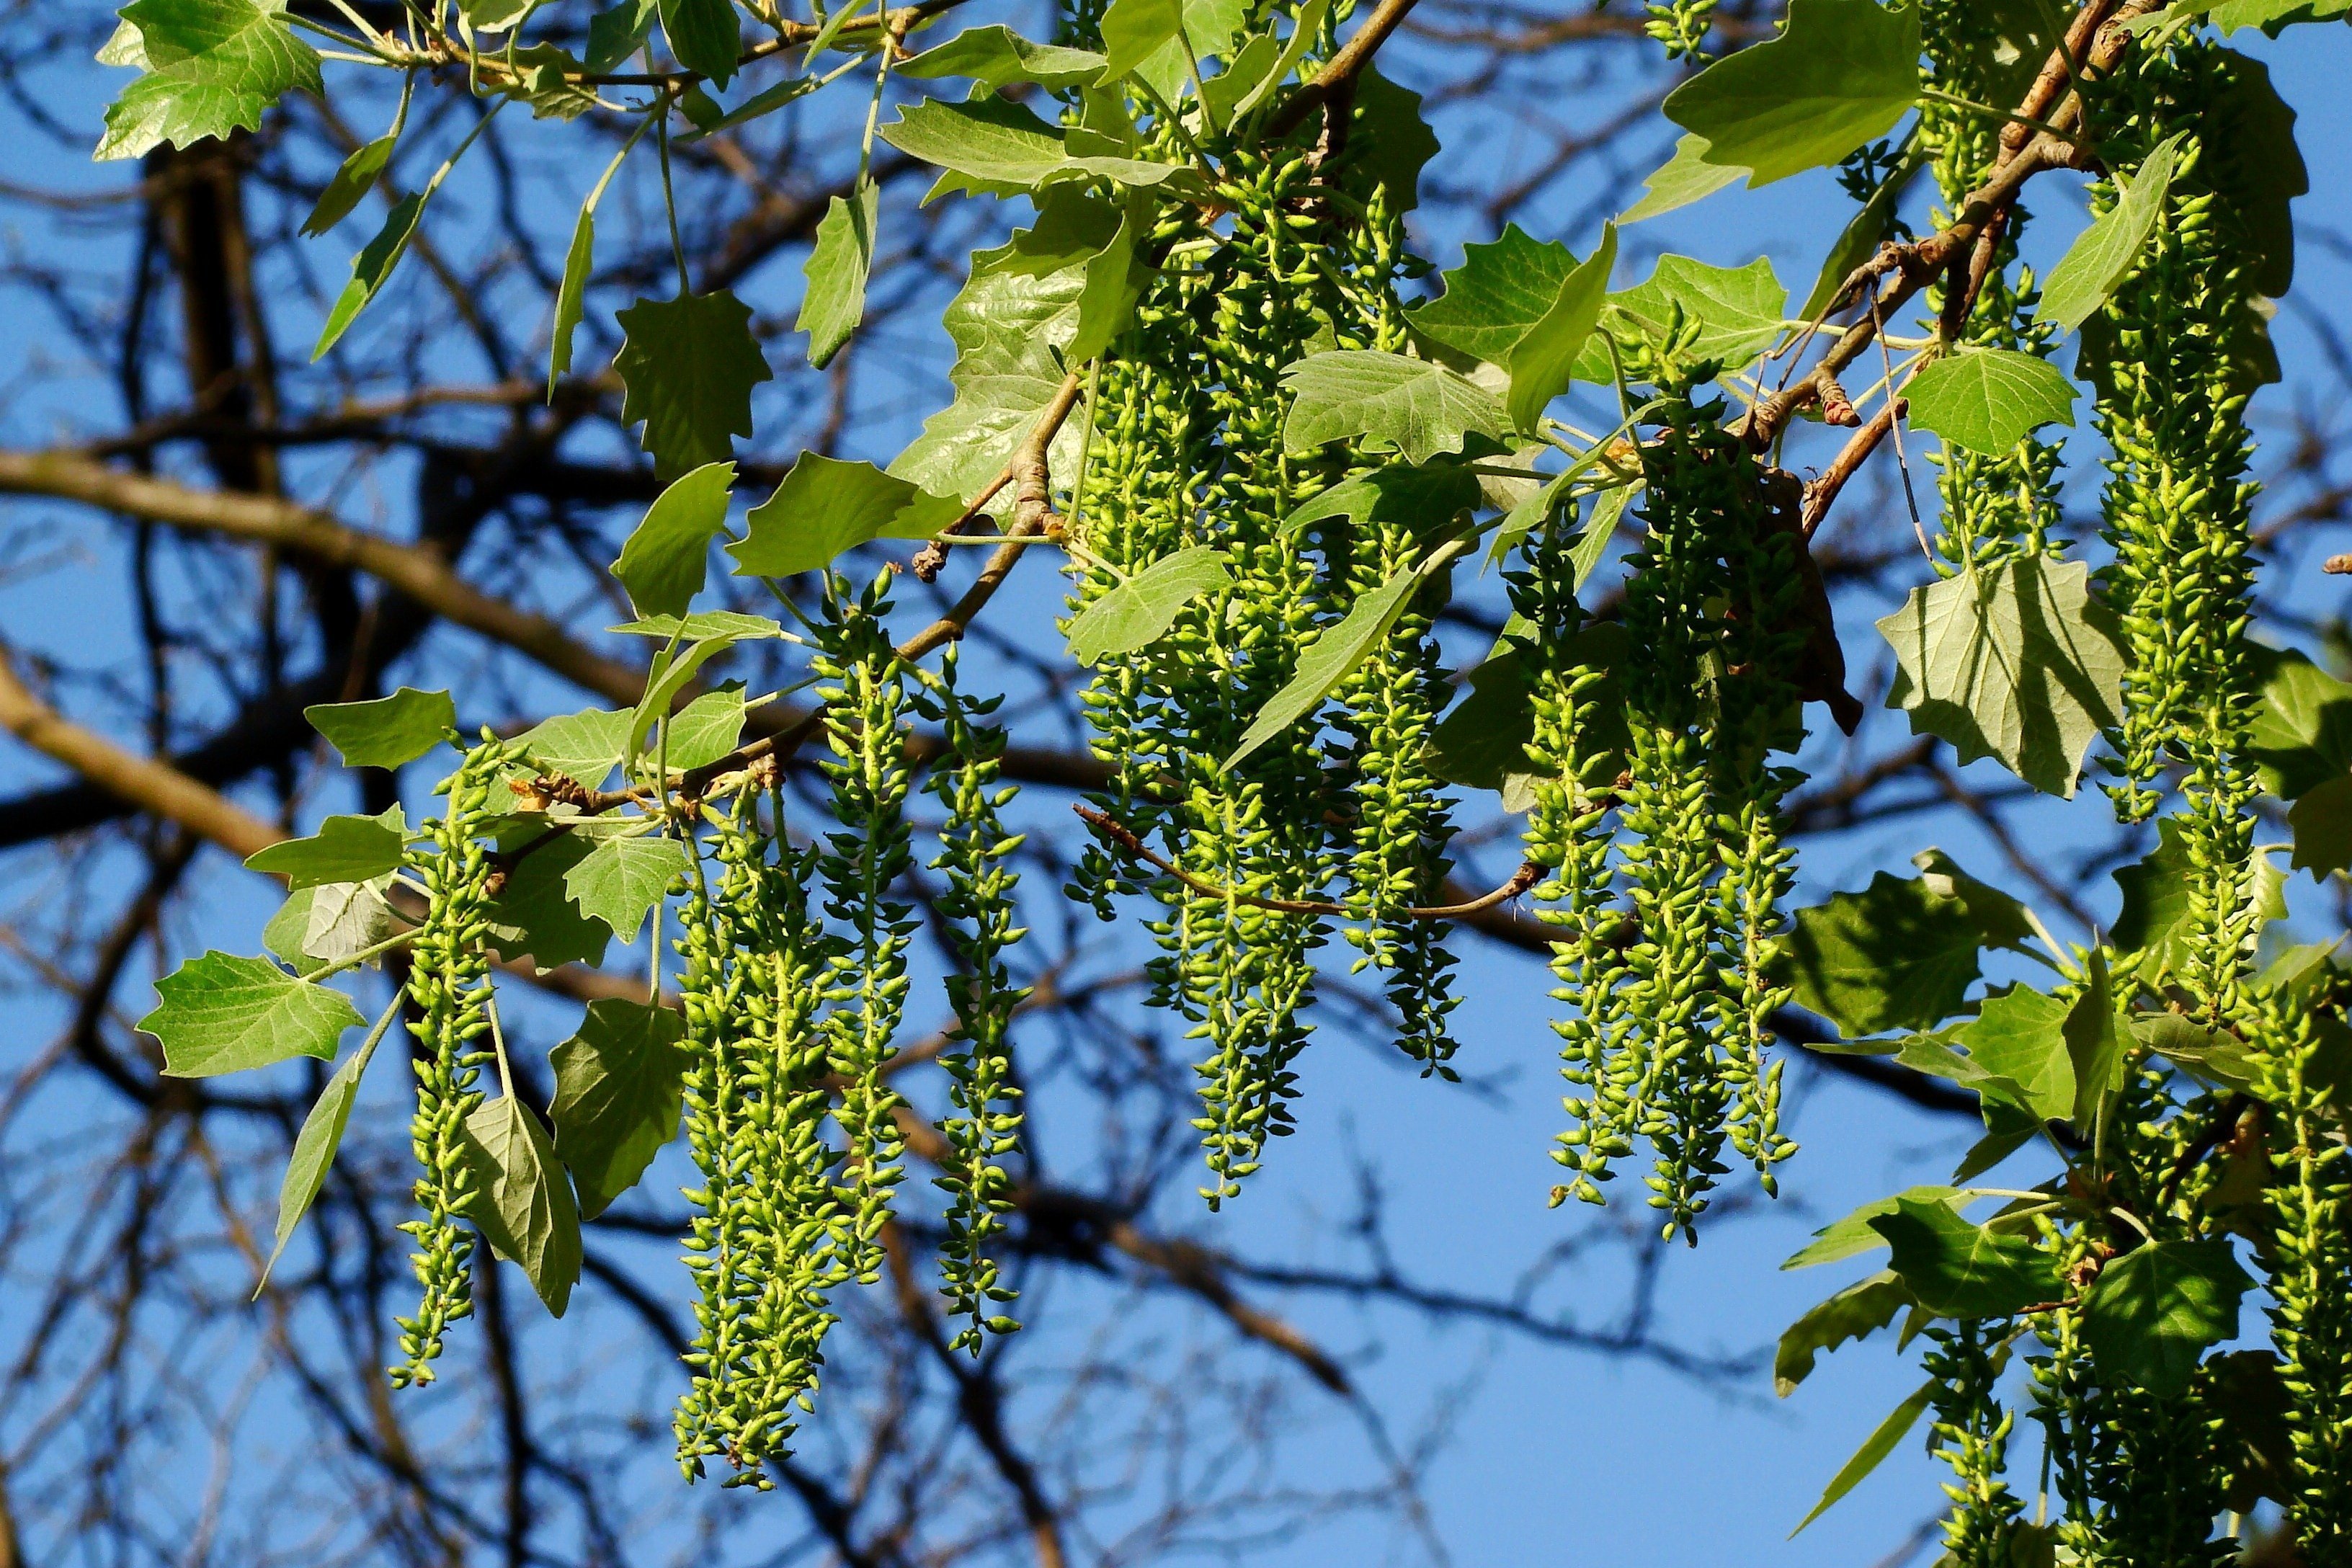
(1995, 506)
(771, 1234)
(2310, 1281)
(1971, 1433)
(865, 692)
(2176, 508)
(450, 994)
(975, 853)
(1670, 1040)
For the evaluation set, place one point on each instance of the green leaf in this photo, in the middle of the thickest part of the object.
(703, 625)
(1740, 311)
(1429, 500)
(2154, 928)
(2322, 824)
(708, 727)
(1497, 295)
(351, 181)
(2004, 1100)
(584, 747)
(2270, 15)
(1856, 1313)
(1135, 30)
(1106, 302)
(1870, 225)
(1989, 400)
(331, 924)
(1543, 361)
(619, 880)
(493, 16)
(1132, 617)
(2250, 158)
(1211, 25)
(344, 849)
(1418, 407)
(2208, 1054)
(704, 35)
(2104, 253)
(370, 268)
(533, 916)
(213, 67)
(222, 1013)
(2098, 1041)
(1326, 661)
(1961, 1271)
(2002, 919)
(767, 100)
(996, 56)
(571, 293)
(1841, 74)
(1391, 142)
(617, 1096)
(315, 1145)
(522, 1200)
(388, 731)
(1874, 1448)
(823, 506)
(2016, 661)
(1896, 955)
(2301, 734)
(1852, 1236)
(1008, 326)
(2151, 1314)
(1306, 31)
(1482, 743)
(834, 300)
(996, 147)
(688, 366)
(667, 554)
(2021, 1035)
(1685, 178)
(619, 31)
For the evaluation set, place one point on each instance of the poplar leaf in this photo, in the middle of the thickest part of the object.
(1210, 25)
(703, 625)
(705, 37)
(1873, 1452)
(2002, 921)
(2152, 1312)
(1497, 294)
(1107, 301)
(1482, 743)
(1741, 312)
(584, 747)
(328, 924)
(1989, 400)
(823, 506)
(1429, 499)
(2017, 662)
(1841, 74)
(370, 268)
(2021, 1034)
(351, 184)
(2208, 1056)
(1685, 178)
(708, 727)
(522, 1200)
(2250, 158)
(1306, 31)
(619, 880)
(2301, 734)
(1134, 615)
(1326, 661)
(1896, 955)
(1391, 142)
(2154, 928)
(2098, 1039)
(1958, 1269)
(571, 294)
(834, 301)
(1416, 407)
(767, 100)
(617, 1096)
(668, 555)
(2270, 15)
(1007, 326)
(618, 32)
(1856, 1313)
(222, 1013)
(1135, 30)
(213, 67)
(314, 1149)
(387, 732)
(2104, 253)
(344, 849)
(1543, 361)
(996, 56)
(2322, 824)
(1852, 1236)
(533, 916)
(688, 366)
(996, 147)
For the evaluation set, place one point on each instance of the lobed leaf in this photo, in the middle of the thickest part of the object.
(222, 1013)
(688, 366)
(823, 506)
(618, 1096)
(2152, 1313)
(213, 68)
(1416, 407)
(668, 555)
(1134, 615)
(620, 879)
(1856, 1313)
(1958, 1269)
(1841, 74)
(1989, 400)
(387, 732)
(344, 849)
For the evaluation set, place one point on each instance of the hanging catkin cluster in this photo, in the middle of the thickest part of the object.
(449, 992)
(2171, 405)
(1671, 966)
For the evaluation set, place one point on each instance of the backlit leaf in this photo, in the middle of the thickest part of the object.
(351, 181)
(617, 1096)
(1132, 616)
(996, 56)
(522, 1199)
(1416, 407)
(584, 747)
(1896, 955)
(1988, 400)
(688, 366)
(344, 849)
(834, 300)
(2104, 253)
(1326, 661)
(1685, 178)
(619, 880)
(823, 506)
(2152, 1313)
(533, 916)
(213, 67)
(315, 1145)
(1958, 1269)
(222, 1013)
(1842, 74)
(1859, 1310)
(1499, 292)
(667, 554)
(1873, 1452)
(2154, 927)
(387, 732)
